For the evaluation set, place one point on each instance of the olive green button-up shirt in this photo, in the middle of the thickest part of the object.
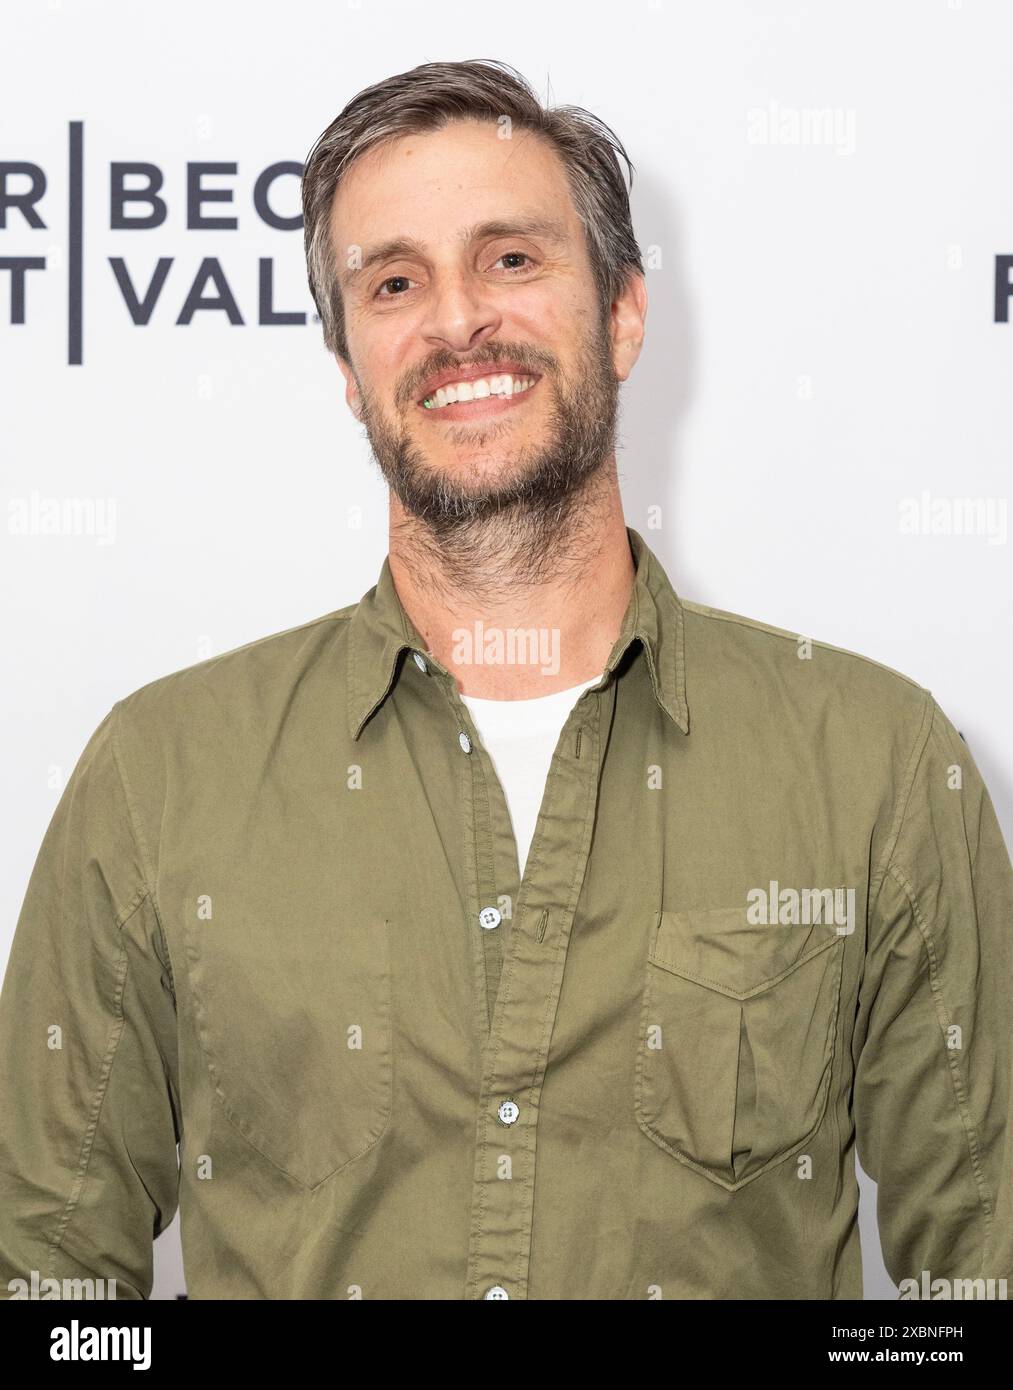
(766, 923)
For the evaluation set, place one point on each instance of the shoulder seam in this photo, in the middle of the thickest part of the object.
(903, 797)
(340, 615)
(148, 867)
(133, 820)
(740, 620)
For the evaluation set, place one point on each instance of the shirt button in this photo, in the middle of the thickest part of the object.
(465, 742)
(420, 661)
(490, 917)
(508, 1111)
(497, 1291)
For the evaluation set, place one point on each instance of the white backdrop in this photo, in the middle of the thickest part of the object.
(821, 191)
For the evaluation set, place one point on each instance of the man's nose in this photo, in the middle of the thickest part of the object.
(461, 314)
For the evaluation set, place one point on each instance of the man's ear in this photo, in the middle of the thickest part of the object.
(629, 312)
(352, 397)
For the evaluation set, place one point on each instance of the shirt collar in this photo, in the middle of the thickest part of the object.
(380, 630)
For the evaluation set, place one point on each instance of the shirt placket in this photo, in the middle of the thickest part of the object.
(490, 865)
(526, 962)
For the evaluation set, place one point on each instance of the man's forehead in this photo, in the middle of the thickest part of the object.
(418, 178)
(481, 148)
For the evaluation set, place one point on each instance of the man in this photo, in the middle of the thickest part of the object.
(521, 931)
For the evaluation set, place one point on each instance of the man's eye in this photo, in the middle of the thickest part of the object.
(404, 280)
(393, 280)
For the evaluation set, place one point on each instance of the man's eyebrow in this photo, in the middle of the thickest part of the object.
(548, 228)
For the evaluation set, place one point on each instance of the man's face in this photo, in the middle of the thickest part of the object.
(457, 251)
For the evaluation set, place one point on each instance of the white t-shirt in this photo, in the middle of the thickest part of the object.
(520, 737)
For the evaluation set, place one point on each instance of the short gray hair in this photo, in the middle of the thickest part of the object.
(429, 97)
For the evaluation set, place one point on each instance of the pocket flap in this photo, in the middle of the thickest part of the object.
(719, 948)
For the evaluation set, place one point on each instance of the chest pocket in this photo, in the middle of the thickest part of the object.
(294, 1021)
(737, 1038)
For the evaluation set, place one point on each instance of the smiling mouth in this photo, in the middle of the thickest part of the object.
(503, 386)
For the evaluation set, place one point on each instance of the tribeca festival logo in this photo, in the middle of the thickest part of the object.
(792, 907)
(140, 198)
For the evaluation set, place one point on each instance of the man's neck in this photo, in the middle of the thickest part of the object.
(509, 629)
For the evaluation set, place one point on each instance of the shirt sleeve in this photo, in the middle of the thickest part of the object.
(88, 1064)
(933, 1038)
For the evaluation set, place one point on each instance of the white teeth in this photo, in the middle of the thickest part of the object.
(505, 385)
